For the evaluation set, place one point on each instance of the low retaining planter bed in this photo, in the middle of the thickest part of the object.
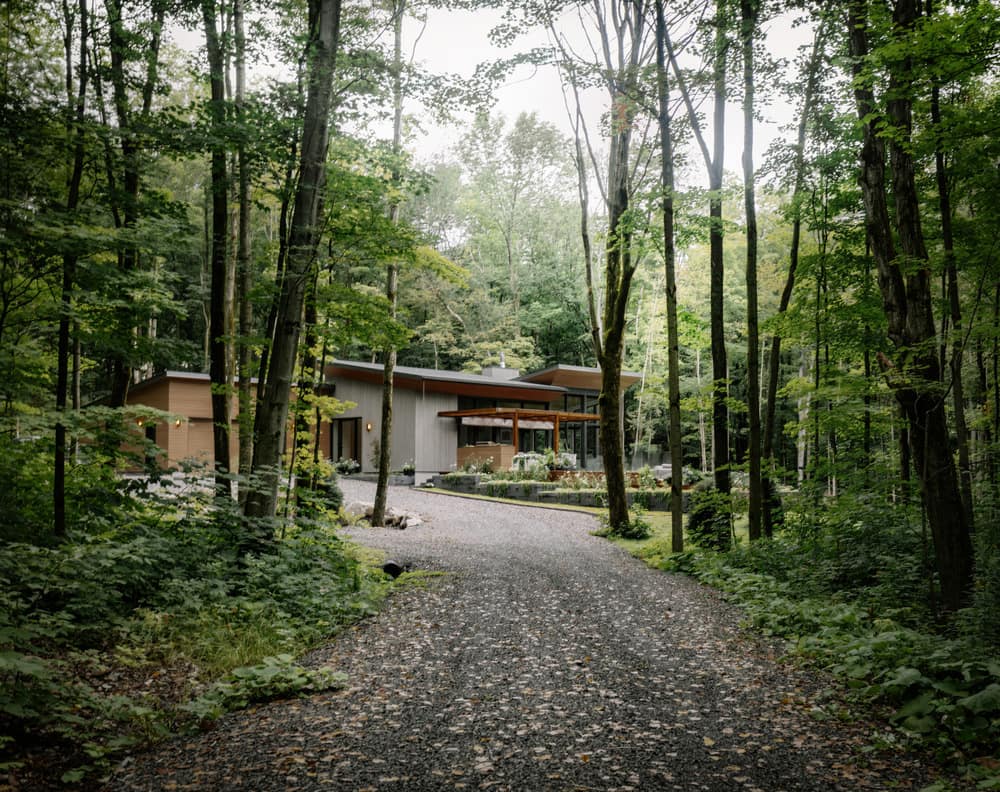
(458, 482)
(546, 492)
(518, 490)
(577, 497)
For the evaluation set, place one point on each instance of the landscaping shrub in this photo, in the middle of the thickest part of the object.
(330, 496)
(346, 467)
(646, 479)
(709, 518)
(636, 528)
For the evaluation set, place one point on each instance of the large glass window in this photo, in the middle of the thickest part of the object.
(571, 439)
(592, 449)
(480, 435)
(536, 440)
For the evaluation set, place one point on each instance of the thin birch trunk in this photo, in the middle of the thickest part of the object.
(77, 102)
(774, 359)
(243, 263)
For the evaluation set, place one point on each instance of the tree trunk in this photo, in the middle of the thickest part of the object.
(955, 312)
(774, 359)
(243, 262)
(619, 268)
(126, 209)
(994, 465)
(670, 282)
(702, 440)
(391, 277)
(720, 386)
(75, 128)
(907, 301)
(304, 435)
(714, 167)
(272, 406)
(622, 44)
(610, 432)
(218, 330)
(748, 18)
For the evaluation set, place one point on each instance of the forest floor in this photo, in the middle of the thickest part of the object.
(544, 658)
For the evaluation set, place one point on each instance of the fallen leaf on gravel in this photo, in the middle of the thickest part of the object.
(563, 653)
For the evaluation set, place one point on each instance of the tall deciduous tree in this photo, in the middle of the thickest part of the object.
(749, 10)
(774, 358)
(392, 270)
(913, 371)
(76, 110)
(621, 32)
(670, 281)
(714, 162)
(219, 371)
(131, 123)
(954, 305)
(243, 251)
(275, 391)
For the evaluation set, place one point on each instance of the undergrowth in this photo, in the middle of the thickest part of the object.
(944, 691)
(853, 591)
(637, 527)
(149, 583)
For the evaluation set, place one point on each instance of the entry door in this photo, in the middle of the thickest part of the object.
(345, 439)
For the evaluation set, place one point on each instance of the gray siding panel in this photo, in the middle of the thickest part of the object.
(418, 434)
(403, 446)
(436, 437)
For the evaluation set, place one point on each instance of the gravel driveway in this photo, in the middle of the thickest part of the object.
(545, 659)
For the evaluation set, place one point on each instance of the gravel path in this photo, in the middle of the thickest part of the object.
(546, 659)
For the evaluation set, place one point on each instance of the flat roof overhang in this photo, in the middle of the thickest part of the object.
(447, 382)
(576, 377)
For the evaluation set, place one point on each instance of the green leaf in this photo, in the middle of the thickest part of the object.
(923, 725)
(951, 687)
(919, 706)
(74, 776)
(904, 677)
(986, 700)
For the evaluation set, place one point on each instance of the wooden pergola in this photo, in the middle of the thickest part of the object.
(518, 416)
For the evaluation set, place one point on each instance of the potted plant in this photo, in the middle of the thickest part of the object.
(406, 476)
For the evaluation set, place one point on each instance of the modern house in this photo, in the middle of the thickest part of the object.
(441, 419)
(188, 397)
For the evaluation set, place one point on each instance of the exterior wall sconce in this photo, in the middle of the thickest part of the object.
(139, 422)
(177, 423)
(368, 426)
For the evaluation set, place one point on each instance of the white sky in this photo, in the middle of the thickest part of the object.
(457, 41)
